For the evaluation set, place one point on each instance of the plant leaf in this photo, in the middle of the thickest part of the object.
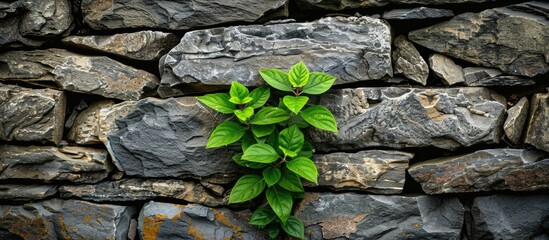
(259, 96)
(307, 150)
(244, 114)
(218, 101)
(271, 175)
(246, 188)
(262, 130)
(272, 140)
(318, 83)
(290, 181)
(238, 93)
(281, 202)
(225, 133)
(295, 104)
(261, 153)
(277, 79)
(273, 232)
(291, 141)
(320, 117)
(247, 141)
(270, 115)
(262, 216)
(238, 159)
(298, 75)
(294, 227)
(304, 167)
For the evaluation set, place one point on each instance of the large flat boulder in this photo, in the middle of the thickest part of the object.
(20, 192)
(537, 132)
(346, 4)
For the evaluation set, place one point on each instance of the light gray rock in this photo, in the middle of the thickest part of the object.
(351, 49)
(78, 73)
(516, 117)
(475, 74)
(537, 132)
(514, 39)
(142, 45)
(445, 69)
(409, 117)
(31, 114)
(359, 216)
(75, 164)
(345, 4)
(107, 117)
(172, 14)
(85, 130)
(417, 13)
(407, 61)
(20, 192)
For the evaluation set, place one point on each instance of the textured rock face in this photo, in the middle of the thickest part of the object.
(107, 123)
(193, 221)
(75, 164)
(356, 216)
(514, 39)
(171, 14)
(525, 217)
(351, 49)
(31, 114)
(445, 69)
(417, 13)
(407, 61)
(537, 132)
(142, 189)
(167, 138)
(143, 45)
(73, 72)
(484, 170)
(85, 129)
(373, 171)
(19, 192)
(516, 117)
(344, 4)
(408, 117)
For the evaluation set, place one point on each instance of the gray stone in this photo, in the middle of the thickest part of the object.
(158, 220)
(172, 14)
(351, 49)
(75, 164)
(513, 38)
(484, 170)
(143, 45)
(501, 81)
(409, 117)
(78, 73)
(358, 216)
(537, 132)
(85, 130)
(142, 189)
(345, 4)
(31, 114)
(19, 192)
(445, 69)
(107, 118)
(475, 74)
(417, 13)
(509, 217)
(375, 171)
(407, 61)
(516, 117)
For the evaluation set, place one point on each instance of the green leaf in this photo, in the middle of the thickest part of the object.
(290, 181)
(270, 115)
(294, 227)
(246, 188)
(304, 167)
(262, 130)
(259, 96)
(244, 114)
(236, 100)
(318, 83)
(299, 75)
(239, 93)
(298, 120)
(226, 133)
(307, 150)
(291, 141)
(320, 117)
(262, 216)
(281, 202)
(218, 101)
(273, 232)
(272, 140)
(271, 175)
(238, 159)
(261, 153)
(247, 141)
(277, 79)
(295, 104)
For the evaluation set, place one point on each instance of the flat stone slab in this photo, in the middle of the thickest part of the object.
(445, 69)
(346, 4)
(351, 49)
(537, 132)
(417, 13)
(20, 192)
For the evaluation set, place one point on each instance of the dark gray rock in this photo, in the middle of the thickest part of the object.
(345, 4)
(75, 164)
(410, 117)
(374, 171)
(143, 45)
(142, 189)
(408, 62)
(509, 217)
(19, 192)
(445, 69)
(501, 81)
(85, 130)
(78, 73)
(417, 13)
(516, 117)
(357, 216)
(513, 38)
(484, 170)
(537, 132)
(31, 114)
(351, 49)
(172, 14)
(158, 220)
(475, 74)
(107, 118)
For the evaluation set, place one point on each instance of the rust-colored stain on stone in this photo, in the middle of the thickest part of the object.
(338, 226)
(195, 233)
(151, 226)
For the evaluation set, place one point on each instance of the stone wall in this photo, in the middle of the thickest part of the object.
(442, 106)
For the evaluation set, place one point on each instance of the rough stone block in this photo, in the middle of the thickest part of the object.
(537, 132)
(20, 192)
(85, 130)
(408, 62)
(516, 117)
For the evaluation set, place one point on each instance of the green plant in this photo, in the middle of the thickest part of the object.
(272, 141)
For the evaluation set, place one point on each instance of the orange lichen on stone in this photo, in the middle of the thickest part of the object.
(195, 233)
(223, 220)
(151, 226)
(87, 219)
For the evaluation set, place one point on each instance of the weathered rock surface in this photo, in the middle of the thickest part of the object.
(357, 216)
(345, 4)
(134, 189)
(417, 13)
(501, 81)
(484, 170)
(31, 114)
(85, 129)
(167, 138)
(158, 220)
(60, 219)
(174, 15)
(75, 164)
(20, 192)
(516, 117)
(78, 73)
(143, 45)
(445, 69)
(351, 49)
(537, 132)
(107, 123)
(509, 217)
(409, 117)
(33, 22)
(475, 74)
(514, 39)
(374, 171)
(407, 61)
